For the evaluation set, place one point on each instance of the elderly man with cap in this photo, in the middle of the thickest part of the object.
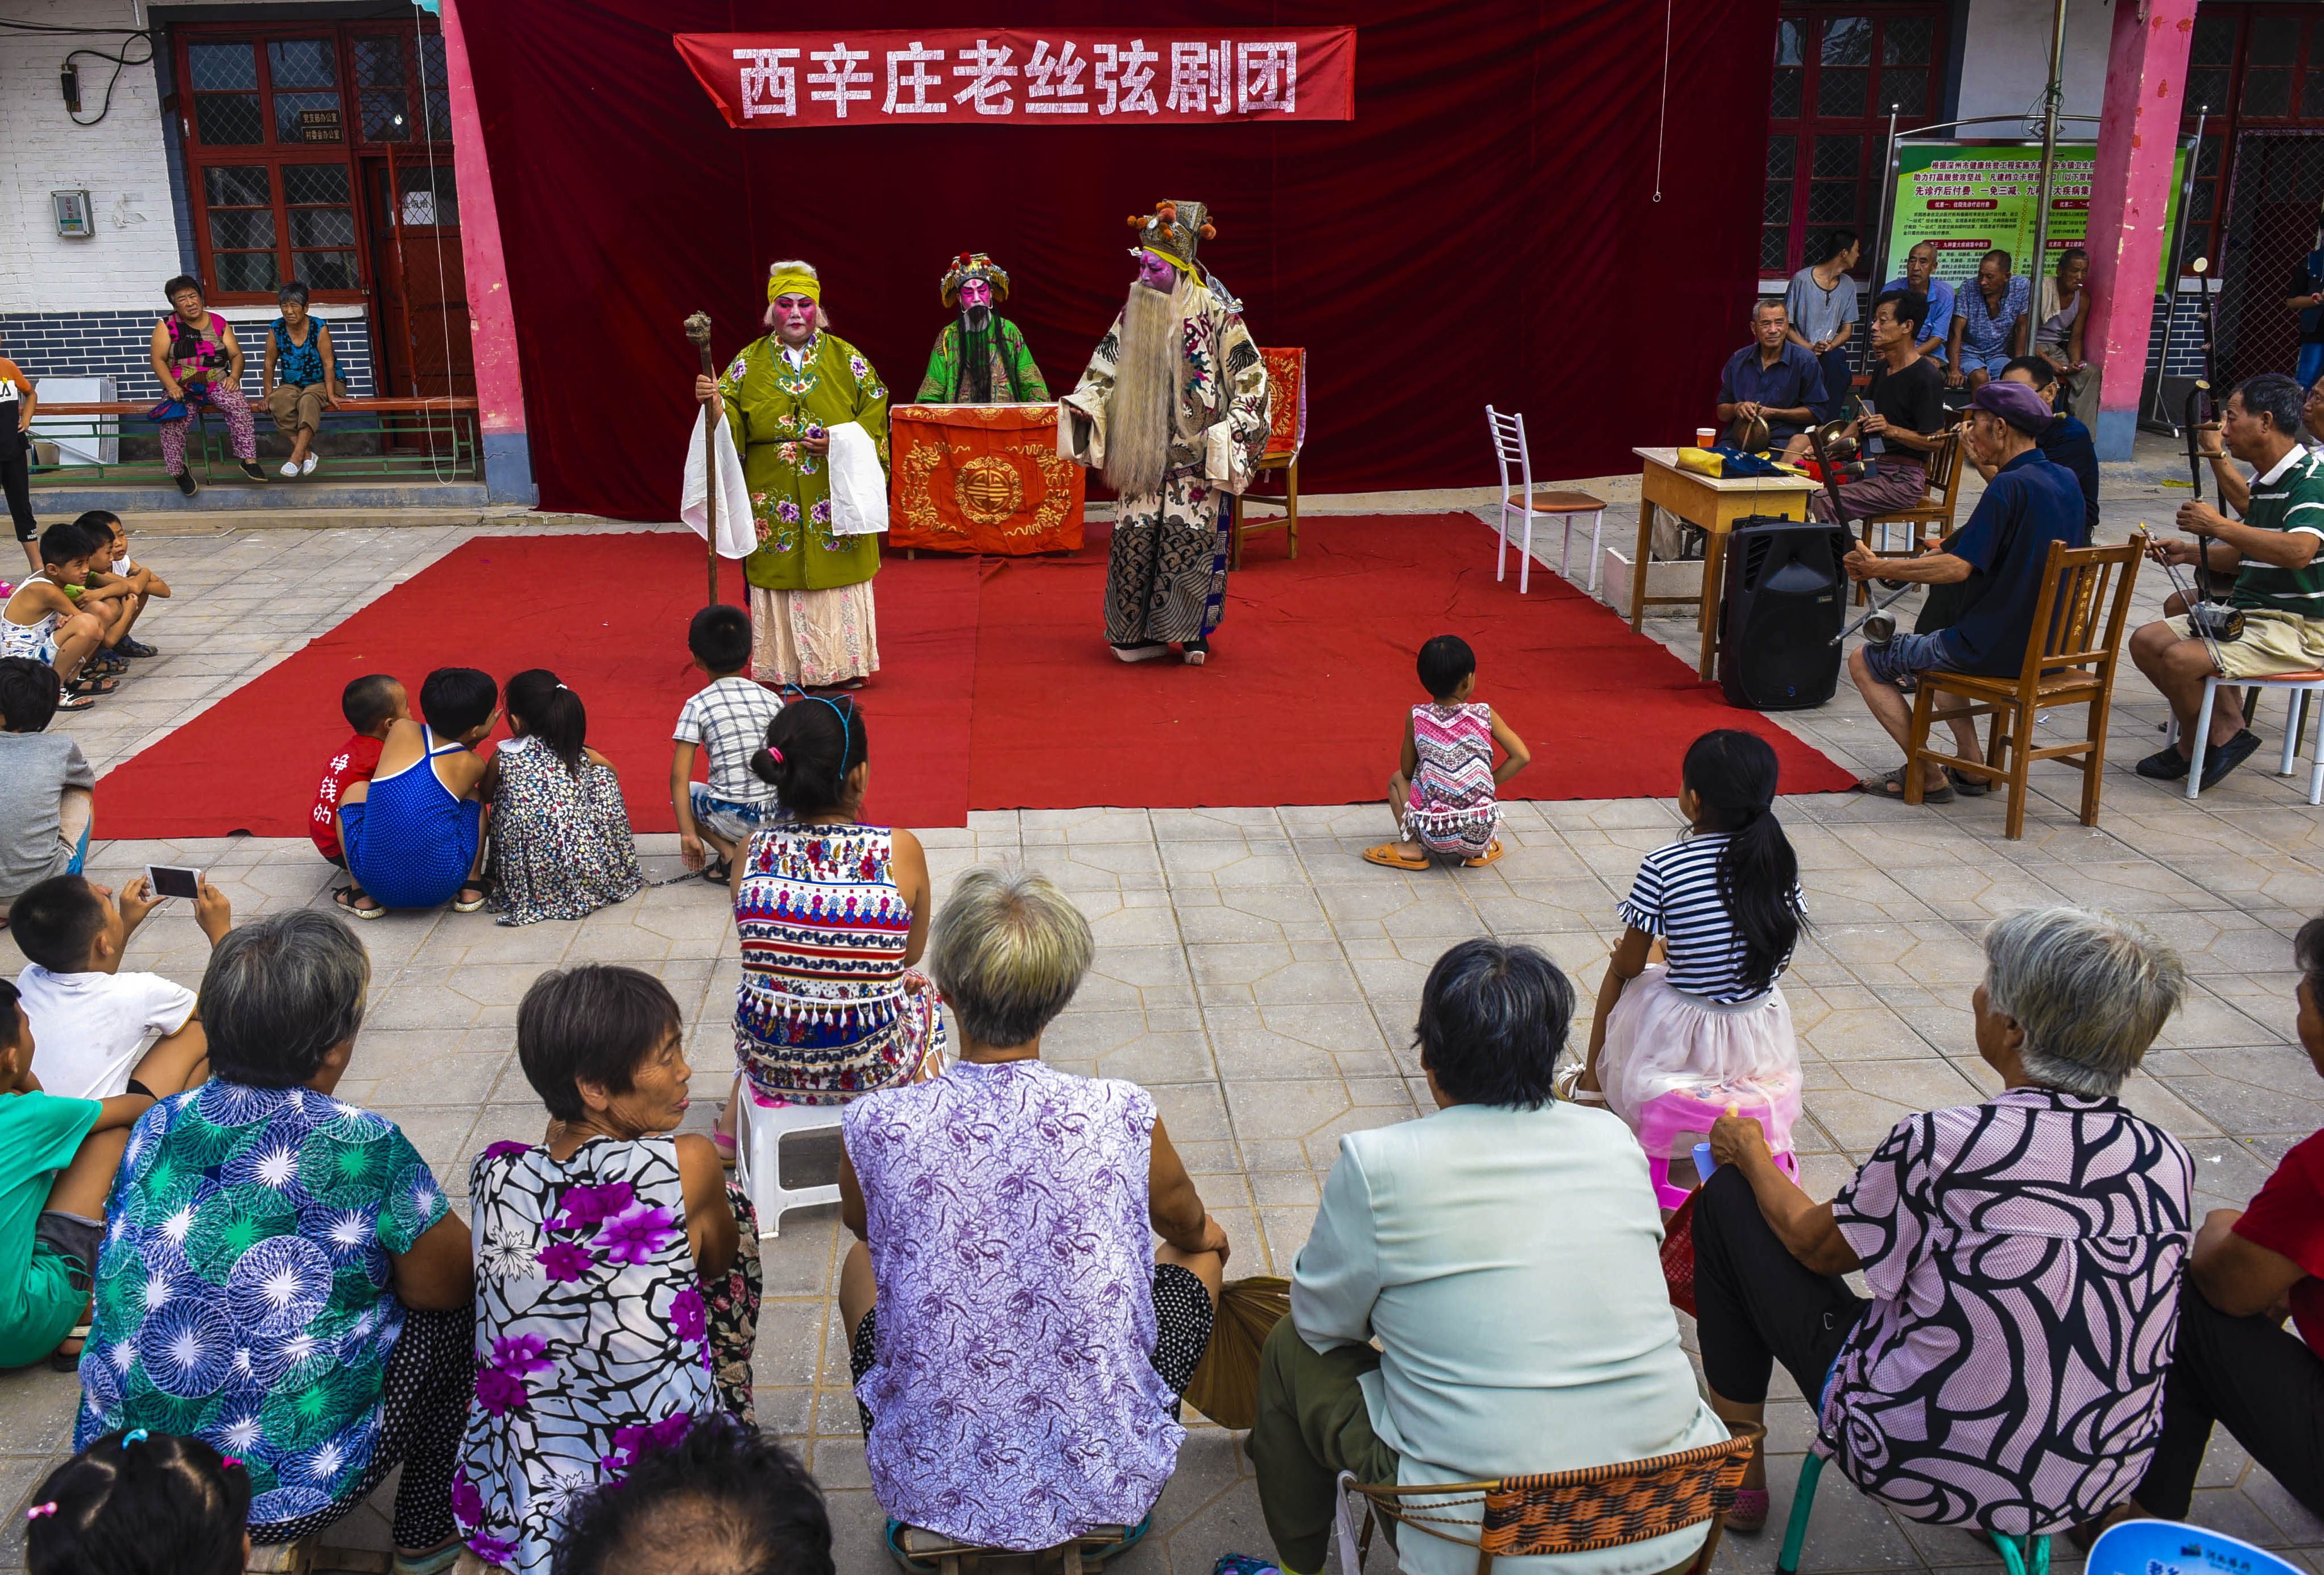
(980, 358)
(2279, 587)
(1173, 411)
(1998, 557)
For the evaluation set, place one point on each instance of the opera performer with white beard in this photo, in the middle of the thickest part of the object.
(1173, 413)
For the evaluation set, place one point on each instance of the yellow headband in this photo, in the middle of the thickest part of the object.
(793, 283)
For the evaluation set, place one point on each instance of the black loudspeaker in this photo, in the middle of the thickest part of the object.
(1784, 597)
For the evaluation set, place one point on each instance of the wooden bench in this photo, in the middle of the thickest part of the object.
(388, 404)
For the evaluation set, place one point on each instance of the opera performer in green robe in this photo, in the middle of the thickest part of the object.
(981, 358)
(812, 621)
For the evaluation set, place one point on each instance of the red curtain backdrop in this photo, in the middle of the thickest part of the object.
(1484, 230)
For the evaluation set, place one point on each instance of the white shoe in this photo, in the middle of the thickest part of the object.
(309, 468)
(1141, 653)
(289, 467)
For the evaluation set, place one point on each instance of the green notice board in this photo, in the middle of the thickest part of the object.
(1968, 197)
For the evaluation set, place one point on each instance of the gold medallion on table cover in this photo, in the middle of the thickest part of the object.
(983, 479)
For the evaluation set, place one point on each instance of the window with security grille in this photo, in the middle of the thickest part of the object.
(1839, 69)
(2249, 69)
(279, 125)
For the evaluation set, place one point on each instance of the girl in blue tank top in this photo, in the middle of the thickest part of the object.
(412, 834)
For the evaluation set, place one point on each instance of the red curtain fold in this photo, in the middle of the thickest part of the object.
(1485, 229)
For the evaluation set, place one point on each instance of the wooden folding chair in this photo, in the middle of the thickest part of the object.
(1568, 1512)
(1287, 376)
(1935, 508)
(2068, 661)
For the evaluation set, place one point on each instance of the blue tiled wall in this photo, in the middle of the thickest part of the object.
(117, 344)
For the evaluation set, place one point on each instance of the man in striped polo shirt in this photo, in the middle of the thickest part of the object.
(2279, 581)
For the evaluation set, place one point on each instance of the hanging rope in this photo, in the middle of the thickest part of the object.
(435, 209)
(1662, 112)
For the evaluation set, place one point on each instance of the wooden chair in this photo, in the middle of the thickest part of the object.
(2068, 661)
(917, 1550)
(1565, 1512)
(1936, 507)
(1286, 377)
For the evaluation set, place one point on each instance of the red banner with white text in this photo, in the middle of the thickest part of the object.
(1050, 76)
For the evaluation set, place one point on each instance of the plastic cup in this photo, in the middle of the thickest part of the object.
(1705, 436)
(1703, 1164)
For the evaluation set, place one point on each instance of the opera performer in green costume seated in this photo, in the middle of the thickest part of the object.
(980, 358)
(789, 401)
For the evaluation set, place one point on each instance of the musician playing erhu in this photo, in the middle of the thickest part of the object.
(2279, 586)
(1906, 419)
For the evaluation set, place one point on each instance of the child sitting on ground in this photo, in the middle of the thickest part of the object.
(1679, 1041)
(46, 786)
(724, 1498)
(413, 834)
(54, 617)
(104, 527)
(140, 1503)
(371, 703)
(560, 835)
(57, 1159)
(105, 1032)
(728, 716)
(1442, 792)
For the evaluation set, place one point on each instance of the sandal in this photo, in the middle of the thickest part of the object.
(345, 895)
(87, 686)
(720, 872)
(461, 905)
(1490, 855)
(1387, 854)
(58, 1362)
(1750, 1511)
(1967, 785)
(1891, 787)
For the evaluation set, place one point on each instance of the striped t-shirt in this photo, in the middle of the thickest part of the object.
(2290, 497)
(1676, 896)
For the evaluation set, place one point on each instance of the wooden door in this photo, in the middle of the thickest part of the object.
(423, 345)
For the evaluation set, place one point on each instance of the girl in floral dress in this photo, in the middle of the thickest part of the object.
(560, 836)
(1443, 792)
(617, 1271)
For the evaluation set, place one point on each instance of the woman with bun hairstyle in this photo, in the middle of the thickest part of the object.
(833, 915)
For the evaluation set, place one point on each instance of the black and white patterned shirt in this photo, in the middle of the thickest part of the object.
(729, 717)
(1675, 896)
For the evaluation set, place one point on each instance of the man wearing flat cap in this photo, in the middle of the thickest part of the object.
(1996, 559)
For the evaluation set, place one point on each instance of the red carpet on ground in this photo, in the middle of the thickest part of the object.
(996, 689)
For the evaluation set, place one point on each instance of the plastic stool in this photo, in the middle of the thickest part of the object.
(758, 1157)
(2032, 1558)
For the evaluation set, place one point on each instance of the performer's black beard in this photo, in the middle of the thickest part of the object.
(976, 355)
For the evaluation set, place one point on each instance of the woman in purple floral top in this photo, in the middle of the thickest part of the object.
(616, 1270)
(2024, 1257)
(1020, 1371)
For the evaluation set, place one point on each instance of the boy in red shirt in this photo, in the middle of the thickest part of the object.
(371, 705)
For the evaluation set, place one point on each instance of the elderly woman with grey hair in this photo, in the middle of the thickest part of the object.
(282, 1275)
(1018, 1342)
(2023, 1254)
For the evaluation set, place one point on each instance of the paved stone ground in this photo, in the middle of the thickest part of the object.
(1261, 979)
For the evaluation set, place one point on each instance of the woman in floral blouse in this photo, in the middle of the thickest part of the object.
(811, 616)
(617, 1285)
(2023, 1254)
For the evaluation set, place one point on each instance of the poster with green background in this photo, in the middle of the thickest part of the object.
(1968, 197)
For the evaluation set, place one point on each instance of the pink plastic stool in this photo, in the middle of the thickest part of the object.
(1673, 1123)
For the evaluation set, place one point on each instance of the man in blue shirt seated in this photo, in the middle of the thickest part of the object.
(1772, 378)
(1920, 277)
(1998, 557)
(2065, 441)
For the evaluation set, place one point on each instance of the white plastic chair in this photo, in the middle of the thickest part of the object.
(1508, 436)
(759, 1159)
(2303, 688)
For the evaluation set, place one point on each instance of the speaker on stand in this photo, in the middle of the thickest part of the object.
(1781, 605)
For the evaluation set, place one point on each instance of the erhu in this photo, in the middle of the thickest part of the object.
(2211, 622)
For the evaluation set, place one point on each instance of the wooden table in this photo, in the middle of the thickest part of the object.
(1714, 506)
(982, 479)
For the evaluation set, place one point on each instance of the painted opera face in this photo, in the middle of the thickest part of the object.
(794, 317)
(975, 293)
(1155, 271)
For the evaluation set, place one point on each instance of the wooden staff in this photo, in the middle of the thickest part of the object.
(697, 328)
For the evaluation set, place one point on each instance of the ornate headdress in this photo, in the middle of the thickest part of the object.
(971, 265)
(1175, 229)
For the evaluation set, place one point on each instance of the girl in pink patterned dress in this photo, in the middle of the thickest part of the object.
(1442, 792)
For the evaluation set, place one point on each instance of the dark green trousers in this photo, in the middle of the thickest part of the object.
(1311, 1425)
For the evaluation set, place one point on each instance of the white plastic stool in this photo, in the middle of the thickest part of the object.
(758, 1157)
(2304, 687)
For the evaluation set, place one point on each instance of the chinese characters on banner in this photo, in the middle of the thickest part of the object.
(1044, 77)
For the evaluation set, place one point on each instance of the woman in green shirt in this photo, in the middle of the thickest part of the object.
(811, 615)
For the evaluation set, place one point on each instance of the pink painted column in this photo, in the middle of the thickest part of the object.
(2130, 202)
(491, 321)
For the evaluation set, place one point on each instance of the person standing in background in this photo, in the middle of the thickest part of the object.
(2062, 310)
(1920, 277)
(2305, 301)
(17, 403)
(1821, 305)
